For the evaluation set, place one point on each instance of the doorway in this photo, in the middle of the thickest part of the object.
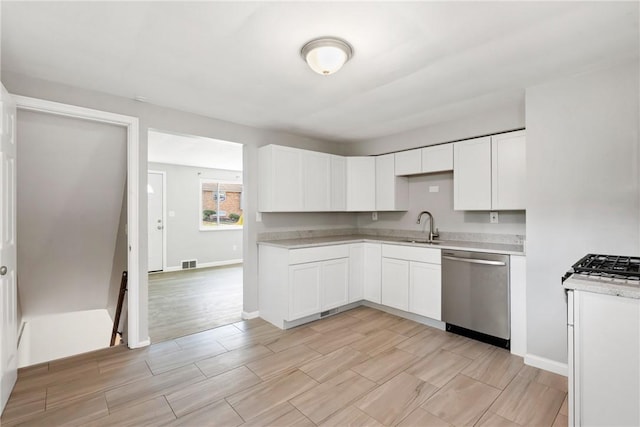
(119, 209)
(196, 225)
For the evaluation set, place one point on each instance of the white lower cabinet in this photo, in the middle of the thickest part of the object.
(334, 283)
(372, 272)
(296, 283)
(395, 283)
(518, 304)
(425, 290)
(411, 280)
(304, 296)
(604, 359)
(317, 286)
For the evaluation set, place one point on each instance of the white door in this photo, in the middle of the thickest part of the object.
(155, 193)
(8, 290)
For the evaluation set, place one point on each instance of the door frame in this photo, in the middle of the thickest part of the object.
(164, 215)
(133, 190)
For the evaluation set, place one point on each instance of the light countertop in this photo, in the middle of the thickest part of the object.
(309, 242)
(603, 285)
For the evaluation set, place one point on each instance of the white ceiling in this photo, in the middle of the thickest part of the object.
(194, 151)
(415, 63)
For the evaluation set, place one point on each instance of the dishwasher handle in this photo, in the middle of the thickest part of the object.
(475, 261)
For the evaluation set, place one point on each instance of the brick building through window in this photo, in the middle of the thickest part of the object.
(221, 203)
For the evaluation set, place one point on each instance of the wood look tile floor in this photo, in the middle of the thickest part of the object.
(361, 367)
(186, 302)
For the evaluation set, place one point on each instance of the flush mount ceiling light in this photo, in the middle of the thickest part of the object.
(326, 55)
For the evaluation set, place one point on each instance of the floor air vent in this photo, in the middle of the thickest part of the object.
(189, 264)
(328, 312)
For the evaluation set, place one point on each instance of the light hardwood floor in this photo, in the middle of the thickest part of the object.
(361, 367)
(186, 302)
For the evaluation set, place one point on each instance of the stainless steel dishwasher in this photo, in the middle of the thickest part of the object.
(475, 295)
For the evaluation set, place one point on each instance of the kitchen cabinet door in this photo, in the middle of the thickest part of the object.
(392, 192)
(425, 289)
(408, 162)
(281, 179)
(338, 180)
(356, 272)
(437, 158)
(509, 171)
(304, 290)
(606, 360)
(335, 283)
(316, 172)
(472, 174)
(395, 283)
(372, 272)
(361, 184)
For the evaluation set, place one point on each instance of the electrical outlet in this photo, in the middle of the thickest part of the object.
(374, 216)
(493, 217)
(434, 188)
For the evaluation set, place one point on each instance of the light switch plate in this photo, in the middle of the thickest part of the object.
(172, 214)
(493, 217)
(434, 188)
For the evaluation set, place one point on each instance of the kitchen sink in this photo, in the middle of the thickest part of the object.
(423, 241)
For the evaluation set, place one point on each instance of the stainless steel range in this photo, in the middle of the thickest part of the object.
(603, 335)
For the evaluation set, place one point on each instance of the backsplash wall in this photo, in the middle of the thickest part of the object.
(440, 205)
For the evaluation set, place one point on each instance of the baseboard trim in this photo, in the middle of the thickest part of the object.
(546, 364)
(204, 265)
(247, 315)
(143, 343)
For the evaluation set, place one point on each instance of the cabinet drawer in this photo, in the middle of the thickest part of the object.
(321, 253)
(411, 253)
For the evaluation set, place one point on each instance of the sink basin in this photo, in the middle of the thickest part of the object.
(423, 241)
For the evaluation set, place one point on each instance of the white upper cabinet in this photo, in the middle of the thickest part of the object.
(392, 192)
(316, 172)
(490, 172)
(509, 171)
(338, 180)
(472, 174)
(281, 179)
(361, 184)
(408, 162)
(437, 158)
(295, 180)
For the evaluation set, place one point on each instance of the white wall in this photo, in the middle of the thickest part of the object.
(70, 185)
(440, 205)
(185, 240)
(505, 118)
(582, 167)
(155, 117)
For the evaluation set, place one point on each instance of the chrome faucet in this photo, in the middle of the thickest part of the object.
(432, 234)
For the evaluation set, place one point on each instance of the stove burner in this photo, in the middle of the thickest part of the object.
(622, 267)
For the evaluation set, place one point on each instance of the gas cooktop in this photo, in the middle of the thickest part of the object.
(607, 266)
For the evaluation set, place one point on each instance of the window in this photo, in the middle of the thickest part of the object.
(220, 205)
